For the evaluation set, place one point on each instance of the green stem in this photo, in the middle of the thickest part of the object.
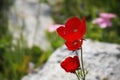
(76, 53)
(77, 75)
(81, 63)
(83, 71)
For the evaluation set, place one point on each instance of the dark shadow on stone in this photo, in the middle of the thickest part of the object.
(118, 48)
(118, 56)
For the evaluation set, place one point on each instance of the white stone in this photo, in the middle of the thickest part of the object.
(102, 60)
(31, 18)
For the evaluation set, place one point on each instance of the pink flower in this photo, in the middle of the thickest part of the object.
(54, 27)
(104, 20)
(107, 15)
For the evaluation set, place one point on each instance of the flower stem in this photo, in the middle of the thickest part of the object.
(77, 75)
(82, 65)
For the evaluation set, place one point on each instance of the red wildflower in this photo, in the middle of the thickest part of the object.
(74, 29)
(70, 64)
(74, 45)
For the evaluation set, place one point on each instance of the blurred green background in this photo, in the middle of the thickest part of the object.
(15, 58)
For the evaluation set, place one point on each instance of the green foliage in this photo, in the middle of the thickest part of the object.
(38, 56)
(14, 58)
(54, 39)
(105, 78)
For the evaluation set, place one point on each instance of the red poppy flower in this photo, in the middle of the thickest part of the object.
(70, 64)
(75, 45)
(74, 29)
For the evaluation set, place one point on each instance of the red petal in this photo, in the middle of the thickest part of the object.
(83, 26)
(73, 37)
(75, 29)
(74, 45)
(70, 64)
(61, 31)
(71, 24)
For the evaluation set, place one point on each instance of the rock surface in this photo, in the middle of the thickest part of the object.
(102, 60)
(31, 18)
